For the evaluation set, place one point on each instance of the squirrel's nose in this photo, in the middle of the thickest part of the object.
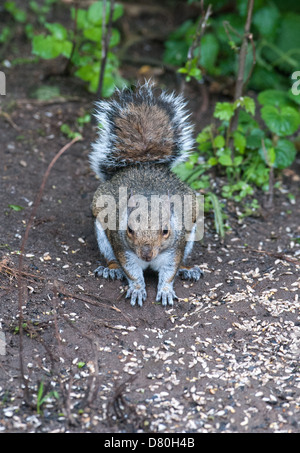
(146, 253)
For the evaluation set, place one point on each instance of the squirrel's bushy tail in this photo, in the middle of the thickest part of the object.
(139, 127)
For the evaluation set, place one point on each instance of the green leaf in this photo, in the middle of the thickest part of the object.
(271, 156)
(212, 161)
(266, 20)
(254, 139)
(49, 47)
(85, 72)
(66, 48)
(182, 171)
(15, 207)
(108, 84)
(118, 11)
(239, 141)
(224, 111)
(294, 97)
(57, 30)
(249, 105)
(115, 38)
(93, 33)
(237, 161)
(45, 46)
(18, 14)
(284, 121)
(176, 52)
(177, 46)
(285, 154)
(245, 102)
(94, 13)
(219, 141)
(225, 159)
(82, 21)
(204, 135)
(288, 41)
(209, 51)
(277, 98)
(219, 225)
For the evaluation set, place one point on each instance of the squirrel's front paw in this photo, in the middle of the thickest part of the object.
(136, 293)
(107, 272)
(190, 273)
(166, 295)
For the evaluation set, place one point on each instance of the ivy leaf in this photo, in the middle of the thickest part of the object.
(284, 121)
(224, 111)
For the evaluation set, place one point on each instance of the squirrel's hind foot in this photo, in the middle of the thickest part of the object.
(108, 272)
(190, 273)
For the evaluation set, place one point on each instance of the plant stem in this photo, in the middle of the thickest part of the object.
(239, 86)
(106, 32)
(243, 53)
(69, 64)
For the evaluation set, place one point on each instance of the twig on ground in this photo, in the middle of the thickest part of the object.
(277, 255)
(9, 119)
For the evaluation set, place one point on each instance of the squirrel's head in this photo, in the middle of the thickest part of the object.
(148, 244)
(150, 226)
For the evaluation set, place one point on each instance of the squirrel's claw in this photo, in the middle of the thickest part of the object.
(106, 272)
(138, 295)
(166, 296)
(193, 273)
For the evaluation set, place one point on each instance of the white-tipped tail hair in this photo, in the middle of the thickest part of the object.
(138, 127)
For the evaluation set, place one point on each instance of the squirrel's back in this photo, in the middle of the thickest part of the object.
(139, 127)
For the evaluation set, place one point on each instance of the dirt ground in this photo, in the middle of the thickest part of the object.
(225, 358)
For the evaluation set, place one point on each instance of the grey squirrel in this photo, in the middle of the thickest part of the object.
(139, 204)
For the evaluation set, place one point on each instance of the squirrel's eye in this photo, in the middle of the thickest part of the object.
(165, 231)
(129, 230)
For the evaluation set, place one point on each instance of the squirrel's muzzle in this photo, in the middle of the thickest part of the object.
(146, 252)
